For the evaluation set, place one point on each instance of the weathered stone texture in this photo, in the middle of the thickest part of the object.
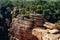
(45, 34)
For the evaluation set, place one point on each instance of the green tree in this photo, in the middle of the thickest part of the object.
(39, 9)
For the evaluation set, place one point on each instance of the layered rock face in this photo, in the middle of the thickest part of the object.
(43, 34)
(30, 29)
(21, 24)
(22, 29)
(51, 25)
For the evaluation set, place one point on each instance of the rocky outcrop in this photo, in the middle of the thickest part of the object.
(51, 25)
(25, 35)
(22, 29)
(45, 34)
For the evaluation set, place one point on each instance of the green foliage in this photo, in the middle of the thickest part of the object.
(58, 22)
(40, 6)
(39, 9)
(11, 38)
(23, 11)
(26, 14)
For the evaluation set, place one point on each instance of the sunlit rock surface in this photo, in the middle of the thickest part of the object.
(45, 34)
(51, 25)
(21, 29)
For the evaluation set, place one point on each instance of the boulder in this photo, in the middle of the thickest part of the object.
(51, 25)
(45, 34)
